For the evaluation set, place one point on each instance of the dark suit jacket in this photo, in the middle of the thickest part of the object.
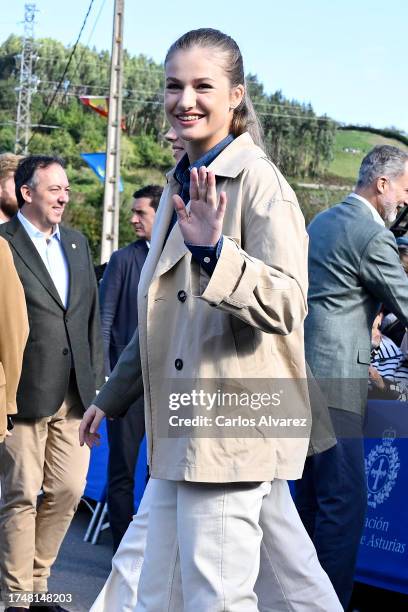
(118, 299)
(353, 267)
(59, 338)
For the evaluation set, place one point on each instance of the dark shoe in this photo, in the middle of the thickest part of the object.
(14, 609)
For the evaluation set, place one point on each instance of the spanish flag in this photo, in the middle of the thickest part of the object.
(100, 105)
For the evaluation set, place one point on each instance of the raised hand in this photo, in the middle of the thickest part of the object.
(201, 225)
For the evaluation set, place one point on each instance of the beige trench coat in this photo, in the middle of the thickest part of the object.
(245, 322)
(13, 334)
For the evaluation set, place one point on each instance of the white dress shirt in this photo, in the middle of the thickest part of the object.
(52, 253)
(373, 211)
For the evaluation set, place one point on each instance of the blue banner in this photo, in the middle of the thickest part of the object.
(96, 480)
(383, 555)
(97, 163)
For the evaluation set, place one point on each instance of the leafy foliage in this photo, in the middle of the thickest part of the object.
(297, 140)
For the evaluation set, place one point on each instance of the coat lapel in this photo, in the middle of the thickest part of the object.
(173, 251)
(163, 254)
(25, 248)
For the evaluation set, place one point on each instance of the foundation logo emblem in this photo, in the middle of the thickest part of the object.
(382, 466)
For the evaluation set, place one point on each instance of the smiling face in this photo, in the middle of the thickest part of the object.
(199, 99)
(45, 199)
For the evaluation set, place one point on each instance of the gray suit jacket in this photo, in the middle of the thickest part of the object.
(353, 267)
(59, 338)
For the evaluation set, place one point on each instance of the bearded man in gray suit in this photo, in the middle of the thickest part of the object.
(353, 267)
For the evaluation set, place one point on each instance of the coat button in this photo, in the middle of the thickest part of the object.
(182, 295)
(179, 364)
(65, 351)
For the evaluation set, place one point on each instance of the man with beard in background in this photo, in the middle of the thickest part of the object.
(8, 200)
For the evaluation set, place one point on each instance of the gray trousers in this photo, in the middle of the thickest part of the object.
(267, 562)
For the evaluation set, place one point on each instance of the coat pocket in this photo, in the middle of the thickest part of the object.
(364, 356)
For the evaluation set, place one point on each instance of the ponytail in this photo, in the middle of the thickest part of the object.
(245, 119)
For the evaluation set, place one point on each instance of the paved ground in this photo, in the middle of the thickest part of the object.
(81, 568)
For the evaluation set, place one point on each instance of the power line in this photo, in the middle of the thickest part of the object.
(89, 39)
(139, 100)
(52, 127)
(105, 87)
(95, 23)
(45, 114)
(151, 70)
(159, 94)
(160, 71)
(261, 114)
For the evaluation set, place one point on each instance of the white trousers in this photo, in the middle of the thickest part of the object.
(207, 545)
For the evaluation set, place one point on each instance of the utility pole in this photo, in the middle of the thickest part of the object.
(28, 82)
(111, 201)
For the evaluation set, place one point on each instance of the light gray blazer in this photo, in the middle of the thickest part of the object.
(353, 267)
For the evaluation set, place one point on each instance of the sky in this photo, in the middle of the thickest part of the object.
(348, 58)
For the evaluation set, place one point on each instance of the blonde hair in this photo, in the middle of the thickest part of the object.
(8, 164)
(244, 117)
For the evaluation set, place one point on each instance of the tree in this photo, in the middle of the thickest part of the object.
(298, 141)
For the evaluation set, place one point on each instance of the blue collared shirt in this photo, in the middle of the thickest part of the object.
(206, 256)
(51, 251)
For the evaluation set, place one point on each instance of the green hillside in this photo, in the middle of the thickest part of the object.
(349, 149)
